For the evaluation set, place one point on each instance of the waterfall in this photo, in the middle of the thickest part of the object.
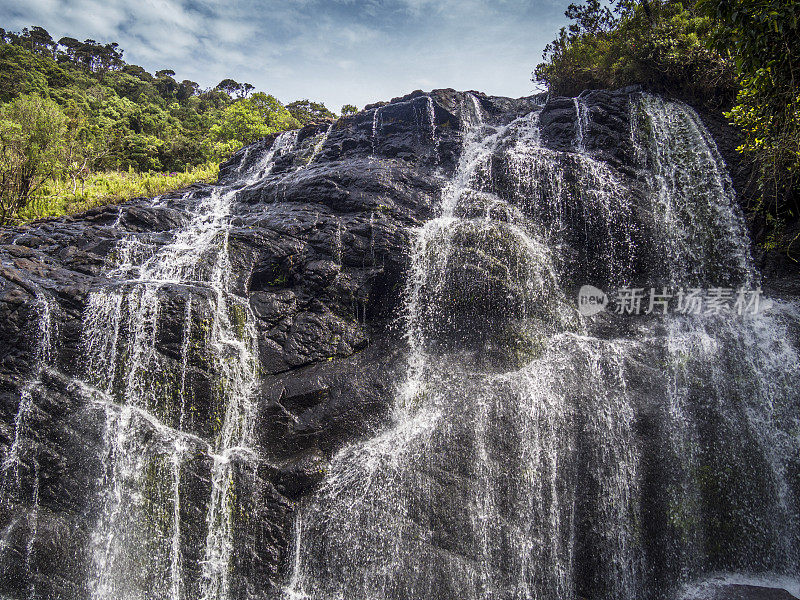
(581, 124)
(340, 553)
(529, 451)
(283, 143)
(44, 337)
(155, 427)
(432, 123)
(318, 146)
(531, 455)
(376, 115)
(23, 453)
(698, 227)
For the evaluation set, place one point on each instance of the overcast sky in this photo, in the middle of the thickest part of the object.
(337, 51)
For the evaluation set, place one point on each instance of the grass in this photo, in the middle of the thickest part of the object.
(99, 189)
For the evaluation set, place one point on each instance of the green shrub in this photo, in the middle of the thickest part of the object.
(661, 45)
(764, 38)
(58, 199)
(32, 149)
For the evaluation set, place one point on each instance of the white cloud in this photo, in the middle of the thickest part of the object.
(339, 51)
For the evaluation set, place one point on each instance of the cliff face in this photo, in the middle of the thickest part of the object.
(317, 247)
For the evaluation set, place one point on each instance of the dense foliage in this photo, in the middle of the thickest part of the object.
(660, 44)
(32, 132)
(764, 38)
(115, 117)
(247, 120)
(307, 111)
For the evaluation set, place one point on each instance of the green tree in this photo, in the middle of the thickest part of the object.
(657, 43)
(120, 117)
(37, 39)
(32, 133)
(229, 86)
(247, 120)
(275, 114)
(306, 111)
(187, 89)
(349, 109)
(70, 48)
(165, 84)
(245, 89)
(764, 38)
(85, 145)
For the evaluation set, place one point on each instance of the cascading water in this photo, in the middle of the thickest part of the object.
(23, 453)
(529, 456)
(581, 124)
(318, 146)
(154, 429)
(432, 123)
(376, 115)
(391, 480)
(683, 178)
(44, 351)
(530, 453)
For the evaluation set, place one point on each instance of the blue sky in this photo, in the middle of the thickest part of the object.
(337, 51)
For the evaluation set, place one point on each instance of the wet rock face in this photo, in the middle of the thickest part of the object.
(734, 591)
(319, 248)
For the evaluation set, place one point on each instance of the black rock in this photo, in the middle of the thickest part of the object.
(319, 250)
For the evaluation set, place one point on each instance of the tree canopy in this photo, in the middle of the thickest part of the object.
(764, 39)
(117, 116)
(306, 111)
(32, 134)
(658, 43)
(247, 120)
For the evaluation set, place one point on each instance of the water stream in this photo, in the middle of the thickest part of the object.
(531, 453)
(153, 423)
(514, 465)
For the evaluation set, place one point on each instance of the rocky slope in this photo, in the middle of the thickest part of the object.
(319, 249)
